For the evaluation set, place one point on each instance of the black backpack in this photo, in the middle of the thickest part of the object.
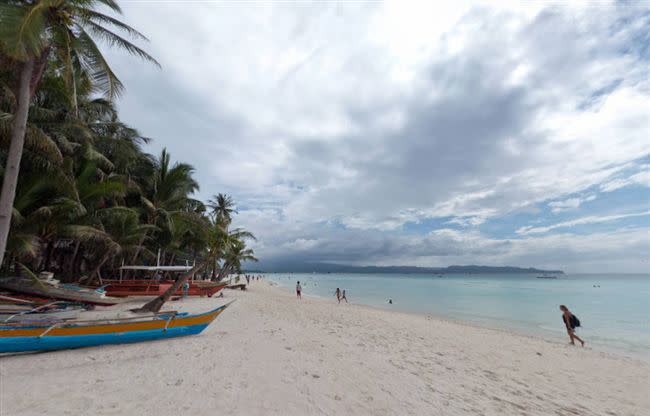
(574, 321)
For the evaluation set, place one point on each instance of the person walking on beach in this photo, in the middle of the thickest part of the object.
(571, 322)
(343, 297)
(298, 290)
(338, 294)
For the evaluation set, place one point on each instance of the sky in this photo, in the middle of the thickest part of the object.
(409, 133)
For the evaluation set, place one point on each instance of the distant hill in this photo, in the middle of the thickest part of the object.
(342, 268)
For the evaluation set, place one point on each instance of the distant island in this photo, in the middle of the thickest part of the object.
(343, 268)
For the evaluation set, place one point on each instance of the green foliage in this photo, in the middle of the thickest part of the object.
(89, 198)
(67, 30)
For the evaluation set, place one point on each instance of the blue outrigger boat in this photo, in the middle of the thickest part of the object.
(77, 334)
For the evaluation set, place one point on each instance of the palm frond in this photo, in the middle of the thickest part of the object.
(92, 59)
(94, 16)
(111, 4)
(113, 39)
(22, 29)
(23, 245)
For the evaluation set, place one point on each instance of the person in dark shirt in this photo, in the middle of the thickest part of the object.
(570, 321)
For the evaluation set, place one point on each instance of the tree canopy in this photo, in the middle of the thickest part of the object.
(89, 197)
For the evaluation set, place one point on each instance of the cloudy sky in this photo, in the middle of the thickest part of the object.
(409, 133)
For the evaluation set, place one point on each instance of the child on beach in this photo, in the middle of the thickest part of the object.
(338, 294)
(343, 297)
(571, 322)
(298, 290)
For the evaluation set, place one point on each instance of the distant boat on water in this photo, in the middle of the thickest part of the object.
(546, 276)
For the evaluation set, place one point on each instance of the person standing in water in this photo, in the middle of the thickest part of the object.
(571, 322)
(343, 297)
(338, 294)
(298, 290)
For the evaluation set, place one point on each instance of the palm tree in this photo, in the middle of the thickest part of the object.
(217, 246)
(213, 241)
(235, 254)
(31, 31)
(123, 235)
(93, 192)
(222, 207)
(164, 196)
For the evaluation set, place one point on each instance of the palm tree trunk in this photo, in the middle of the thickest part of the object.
(138, 248)
(48, 256)
(137, 252)
(89, 277)
(12, 169)
(227, 266)
(155, 304)
(215, 274)
(73, 259)
(95, 271)
(79, 262)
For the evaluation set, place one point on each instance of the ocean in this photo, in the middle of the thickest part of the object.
(614, 309)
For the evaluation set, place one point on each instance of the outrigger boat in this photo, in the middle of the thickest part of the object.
(157, 285)
(86, 333)
(51, 289)
(48, 312)
(54, 315)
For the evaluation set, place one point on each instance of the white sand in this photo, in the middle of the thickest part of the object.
(271, 355)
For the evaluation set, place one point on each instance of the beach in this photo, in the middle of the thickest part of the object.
(270, 354)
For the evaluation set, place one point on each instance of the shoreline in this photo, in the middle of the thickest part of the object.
(270, 354)
(614, 352)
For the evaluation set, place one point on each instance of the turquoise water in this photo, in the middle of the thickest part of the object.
(614, 316)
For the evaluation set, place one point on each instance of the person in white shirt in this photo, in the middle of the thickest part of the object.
(298, 290)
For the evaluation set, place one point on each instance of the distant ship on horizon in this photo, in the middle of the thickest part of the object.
(546, 276)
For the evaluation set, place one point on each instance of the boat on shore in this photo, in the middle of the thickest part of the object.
(44, 315)
(124, 288)
(52, 289)
(238, 286)
(86, 333)
(157, 282)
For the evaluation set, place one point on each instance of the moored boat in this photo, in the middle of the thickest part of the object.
(46, 289)
(156, 280)
(53, 315)
(80, 333)
(239, 286)
(124, 288)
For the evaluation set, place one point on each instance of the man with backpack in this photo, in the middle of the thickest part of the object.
(571, 322)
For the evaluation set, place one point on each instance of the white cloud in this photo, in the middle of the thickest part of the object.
(640, 178)
(466, 221)
(620, 251)
(592, 219)
(368, 116)
(570, 203)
